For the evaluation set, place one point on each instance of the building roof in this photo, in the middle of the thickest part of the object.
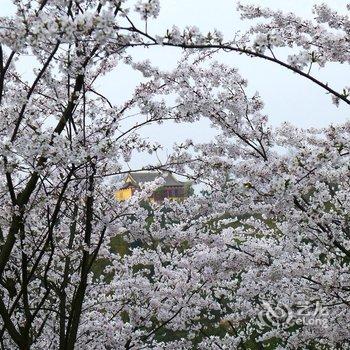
(148, 176)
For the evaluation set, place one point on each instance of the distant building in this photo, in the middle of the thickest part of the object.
(172, 188)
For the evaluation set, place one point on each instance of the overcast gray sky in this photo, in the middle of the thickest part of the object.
(286, 95)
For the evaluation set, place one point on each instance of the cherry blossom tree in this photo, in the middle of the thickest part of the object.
(293, 182)
(271, 229)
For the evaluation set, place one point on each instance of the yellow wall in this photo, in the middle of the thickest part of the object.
(123, 194)
(126, 193)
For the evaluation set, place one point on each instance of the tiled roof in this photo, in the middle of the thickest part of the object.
(148, 176)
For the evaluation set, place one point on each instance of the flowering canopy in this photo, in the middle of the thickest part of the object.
(271, 229)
